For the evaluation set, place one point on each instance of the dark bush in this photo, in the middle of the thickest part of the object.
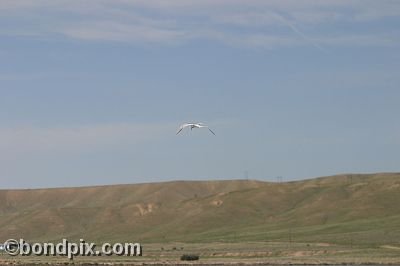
(189, 257)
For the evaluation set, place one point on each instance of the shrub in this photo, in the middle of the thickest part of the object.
(189, 257)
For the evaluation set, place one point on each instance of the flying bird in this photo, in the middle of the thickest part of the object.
(193, 125)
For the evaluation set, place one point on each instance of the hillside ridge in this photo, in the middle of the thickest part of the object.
(325, 209)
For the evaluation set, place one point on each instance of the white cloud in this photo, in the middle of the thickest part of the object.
(381, 40)
(253, 23)
(31, 140)
(262, 41)
(112, 31)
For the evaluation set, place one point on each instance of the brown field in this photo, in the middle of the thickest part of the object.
(351, 219)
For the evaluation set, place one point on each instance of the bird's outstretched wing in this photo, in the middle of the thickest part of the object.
(182, 127)
(200, 125)
(211, 131)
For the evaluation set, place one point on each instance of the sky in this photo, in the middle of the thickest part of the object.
(93, 92)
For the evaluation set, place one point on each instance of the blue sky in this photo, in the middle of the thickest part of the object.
(92, 92)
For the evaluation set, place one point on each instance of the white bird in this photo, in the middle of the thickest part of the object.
(193, 125)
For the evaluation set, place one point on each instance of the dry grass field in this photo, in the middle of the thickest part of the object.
(330, 220)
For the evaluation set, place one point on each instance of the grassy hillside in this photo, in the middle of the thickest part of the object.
(345, 209)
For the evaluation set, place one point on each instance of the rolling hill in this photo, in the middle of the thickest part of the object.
(361, 209)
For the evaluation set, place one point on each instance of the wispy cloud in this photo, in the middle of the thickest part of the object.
(31, 140)
(28, 76)
(112, 31)
(252, 23)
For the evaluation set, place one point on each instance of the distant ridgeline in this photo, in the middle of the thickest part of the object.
(360, 208)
